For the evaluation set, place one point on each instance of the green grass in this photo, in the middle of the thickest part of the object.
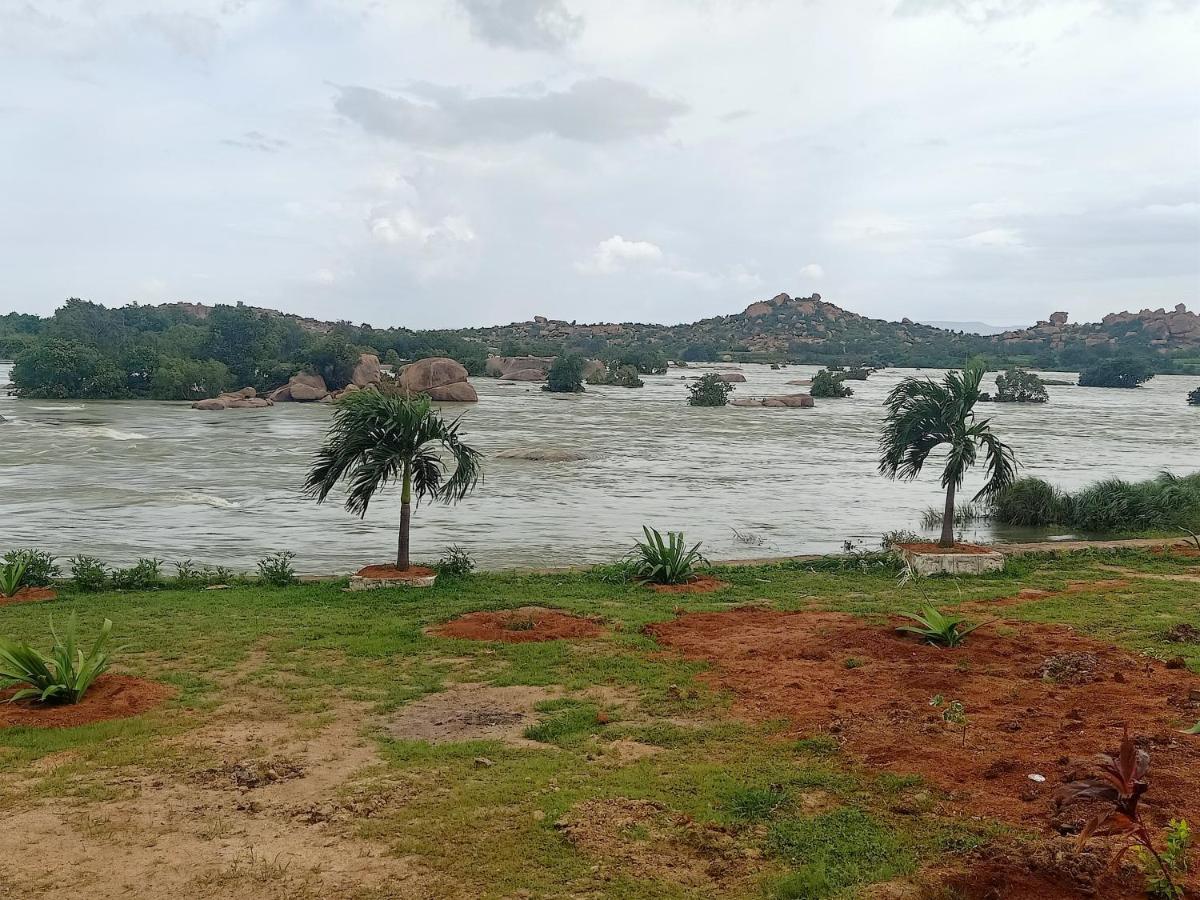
(310, 654)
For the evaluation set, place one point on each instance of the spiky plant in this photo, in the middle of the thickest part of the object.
(665, 562)
(64, 675)
(376, 439)
(923, 414)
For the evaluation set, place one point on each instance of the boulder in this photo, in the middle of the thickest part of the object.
(281, 394)
(367, 371)
(307, 388)
(780, 401)
(249, 403)
(524, 375)
(443, 380)
(593, 367)
(732, 377)
(507, 366)
(212, 404)
(244, 394)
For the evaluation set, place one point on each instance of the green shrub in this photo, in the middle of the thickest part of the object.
(709, 390)
(12, 577)
(1194, 397)
(1164, 503)
(190, 575)
(1125, 372)
(40, 570)
(276, 569)
(145, 576)
(565, 375)
(665, 562)
(829, 384)
(64, 675)
(89, 574)
(937, 628)
(455, 563)
(618, 376)
(1030, 502)
(1019, 386)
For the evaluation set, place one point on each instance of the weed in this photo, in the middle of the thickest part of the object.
(1173, 859)
(276, 569)
(40, 570)
(953, 713)
(89, 574)
(455, 563)
(145, 576)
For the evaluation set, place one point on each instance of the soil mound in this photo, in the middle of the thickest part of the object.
(702, 584)
(393, 572)
(519, 626)
(28, 595)
(1019, 723)
(110, 697)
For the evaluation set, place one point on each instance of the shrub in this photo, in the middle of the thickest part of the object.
(900, 536)
(190, 575)
(1194, 397)
(1019, 386)
(455, 563)
(665, 562)
(12, 576)
(145, 576)
(1030, 502)
(276, 569)
(937, 628)
(89, 574)
(1116, 373)
(618, 376)
(61, 677)
(565, 375)
(709, 390)
(829, 384)
(1164, 503)
(40, 570)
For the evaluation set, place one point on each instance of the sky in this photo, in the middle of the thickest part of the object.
(447, 163)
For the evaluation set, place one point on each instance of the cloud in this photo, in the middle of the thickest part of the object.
(995, 239)
(523, 24)
(878, 227)
(187, 34)
(403, 226)
(983, 12)
(256, 140)
(593, 110)
(615, 254)
(813, 270)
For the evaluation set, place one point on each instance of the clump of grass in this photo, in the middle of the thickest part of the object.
(1165, 503)
(964, 514)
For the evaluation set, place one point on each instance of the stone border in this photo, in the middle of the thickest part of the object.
(928, 563)
(358, 583)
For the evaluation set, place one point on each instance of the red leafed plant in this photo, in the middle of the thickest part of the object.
(1120, 785)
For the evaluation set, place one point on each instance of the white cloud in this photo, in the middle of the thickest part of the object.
(813, 270)
(615, 254)
(523, 24)
(995, 239)
(404, 226)
(871, 227)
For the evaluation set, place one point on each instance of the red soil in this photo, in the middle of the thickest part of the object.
(793, 666)
(28, 595)
(518, 626)
(393, 572)
(701, 584)
(927, 547)
(110, 697)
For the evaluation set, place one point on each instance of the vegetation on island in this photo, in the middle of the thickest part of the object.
(1194, 397)
(923, 414)
(828, 383)
(1126, 372)
(565, 375)
(617, 375)
(1164, 504)
(1020, 386)
(709, 390)
(376, 439)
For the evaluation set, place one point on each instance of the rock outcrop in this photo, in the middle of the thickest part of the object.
(519, 368)
(443, 380)
(246, 398)
(781, 401)
(301, 388)
(367, 372)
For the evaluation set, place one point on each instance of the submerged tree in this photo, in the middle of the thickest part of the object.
(376, 439)
(923, 414)
(1194, 397)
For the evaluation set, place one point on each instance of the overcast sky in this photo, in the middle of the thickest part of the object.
(437, 163)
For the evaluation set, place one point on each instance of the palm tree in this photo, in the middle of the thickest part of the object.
(377, 438)
(922, 415)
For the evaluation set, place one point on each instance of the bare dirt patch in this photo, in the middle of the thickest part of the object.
(701, 584)
(393, 572)
(246, 775)
(471, 712)
(1183, 633)
(110, 697)
(1046, 870)
(519, 626)
(792, 665)
(644, 840)
(28, 595)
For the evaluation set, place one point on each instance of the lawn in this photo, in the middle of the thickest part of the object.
(320, 743)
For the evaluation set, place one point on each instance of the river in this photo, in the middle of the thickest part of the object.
(122, 480)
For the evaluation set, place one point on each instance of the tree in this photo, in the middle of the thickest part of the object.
(59, 370)
(1019, 386)
(376, 439)
(566, 375)
(1194, 397)
(923, 414)
(709, 390)
(1125, 372)
(829, 384)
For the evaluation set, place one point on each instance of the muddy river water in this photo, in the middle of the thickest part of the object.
(122, 480)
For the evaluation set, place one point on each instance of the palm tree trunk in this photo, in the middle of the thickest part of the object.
(402, 561)
(948, 519)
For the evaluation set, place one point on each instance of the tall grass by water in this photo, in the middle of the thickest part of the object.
(1165, 503)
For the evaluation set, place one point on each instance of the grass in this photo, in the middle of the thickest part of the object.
(308, 655)
(1165, 504)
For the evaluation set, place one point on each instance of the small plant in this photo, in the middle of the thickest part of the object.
(89, 574)
(190, 575)
(12, 576)
(665, 562)
(1174, 857)
(853, 662)
(622, 571)
(61, 677)
(455, 563)
(749, 538)
(40, 570)
(937, 628)
(953, 713)
(145, 576)
(276, 569)
(902, 536)
(709, 390)
(1119, 786)
(1195, 729)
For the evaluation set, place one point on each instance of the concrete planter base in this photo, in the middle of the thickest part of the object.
(977, 561)
(420, 578)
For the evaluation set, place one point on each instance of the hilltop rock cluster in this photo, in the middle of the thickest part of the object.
(1161, 330)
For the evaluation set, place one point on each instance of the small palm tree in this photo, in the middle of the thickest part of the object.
(377, 438)
(923, 414)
